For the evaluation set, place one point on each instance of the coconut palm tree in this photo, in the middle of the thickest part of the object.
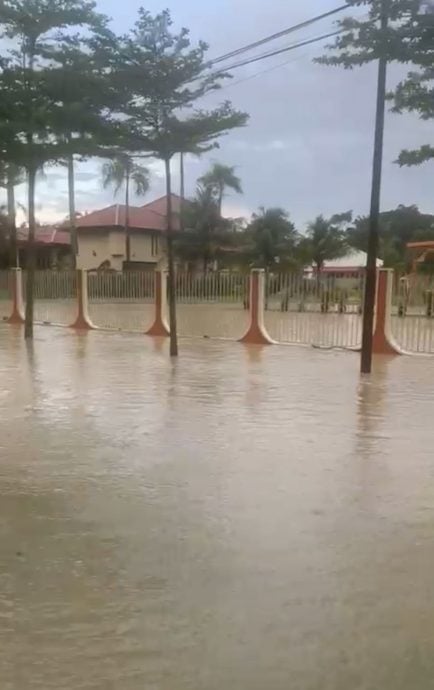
(272, 237)
(123, 172)
(11, 176)
(326, 239)
(206, 234)
(219, 179)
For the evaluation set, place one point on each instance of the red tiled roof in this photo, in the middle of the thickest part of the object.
(114, 216)
(46, 234)
(160, 205)
(151, 216)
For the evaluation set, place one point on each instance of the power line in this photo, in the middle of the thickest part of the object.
(279, 34)
(264, 71)
(286, 49)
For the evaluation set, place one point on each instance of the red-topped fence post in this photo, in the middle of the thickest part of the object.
(83, 321)
(17, 315)
(383, 342)
(160, 327)
(257, 334)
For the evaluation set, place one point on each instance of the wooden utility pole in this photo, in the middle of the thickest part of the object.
(374, 222)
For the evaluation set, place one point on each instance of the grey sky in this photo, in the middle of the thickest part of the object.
(308, 146)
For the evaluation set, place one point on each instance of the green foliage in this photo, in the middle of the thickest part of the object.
(42, 75)
(122, 170)
(397, 227)
(325, 239)
(166, 77)
(220, 178)
(270, 239)
(362, 40)
(408, 39)
(415, 94)
(207, 236)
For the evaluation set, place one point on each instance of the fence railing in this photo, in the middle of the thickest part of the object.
(213, 305)
(121, 301)
(55, 295)
(287, 308)
(323, 310)
(5, 294)
(413, 312)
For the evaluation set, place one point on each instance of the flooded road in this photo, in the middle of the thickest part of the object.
(242, 519)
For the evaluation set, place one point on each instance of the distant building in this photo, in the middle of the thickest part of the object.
(101, 235)
(53, 247)
(352, 263)
(101, 238)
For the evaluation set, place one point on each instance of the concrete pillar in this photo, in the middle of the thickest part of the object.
(257, 334)
(383, 343)
(82, 322)
(17, 315)
(160, 326)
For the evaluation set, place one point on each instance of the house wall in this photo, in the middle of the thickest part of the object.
(146, 247)
(94, 248)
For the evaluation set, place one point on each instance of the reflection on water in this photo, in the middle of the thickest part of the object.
(242, 518)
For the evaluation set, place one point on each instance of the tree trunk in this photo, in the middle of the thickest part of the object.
(220, 199)
(127, 219)
(171, 266)
(182, 187)
(31, 257)
(72, 218)
(12, 224)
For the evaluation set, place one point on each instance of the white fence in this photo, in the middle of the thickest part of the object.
(323, 311)
(122, 301)
(5, 295)
(213, 305)
(413, 309)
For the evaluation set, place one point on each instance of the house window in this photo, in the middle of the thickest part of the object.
(155, 245)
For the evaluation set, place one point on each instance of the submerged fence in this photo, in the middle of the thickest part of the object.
(412, 322)
(255, 307)
(5, 294)
(324, 311)
(121, 301)
(213, 305)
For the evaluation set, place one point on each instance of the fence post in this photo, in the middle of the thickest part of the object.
(383, 343)
(17, 316)
(82, 322)
(257, 334)
(160, 326)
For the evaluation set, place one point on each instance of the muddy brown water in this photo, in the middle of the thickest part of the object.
(242, 519)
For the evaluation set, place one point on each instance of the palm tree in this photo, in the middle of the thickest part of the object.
(220, 178)
(326, 239)
(205, 232)
(122, 172)
(272, 238)
(11, 176)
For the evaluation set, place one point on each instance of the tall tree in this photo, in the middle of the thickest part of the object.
(167, 78)
(415, 94)
(219, 179)
(32, 83)
(271, 239)
(206, 235)
(398, 227)
(120, 173)
(326, 239)
(386, 35)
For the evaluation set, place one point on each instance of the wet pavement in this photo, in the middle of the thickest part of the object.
(242, 519)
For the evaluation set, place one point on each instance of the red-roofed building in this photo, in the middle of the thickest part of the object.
(101, 235)
(53, 247)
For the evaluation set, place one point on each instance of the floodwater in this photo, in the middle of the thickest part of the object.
(242, 519)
